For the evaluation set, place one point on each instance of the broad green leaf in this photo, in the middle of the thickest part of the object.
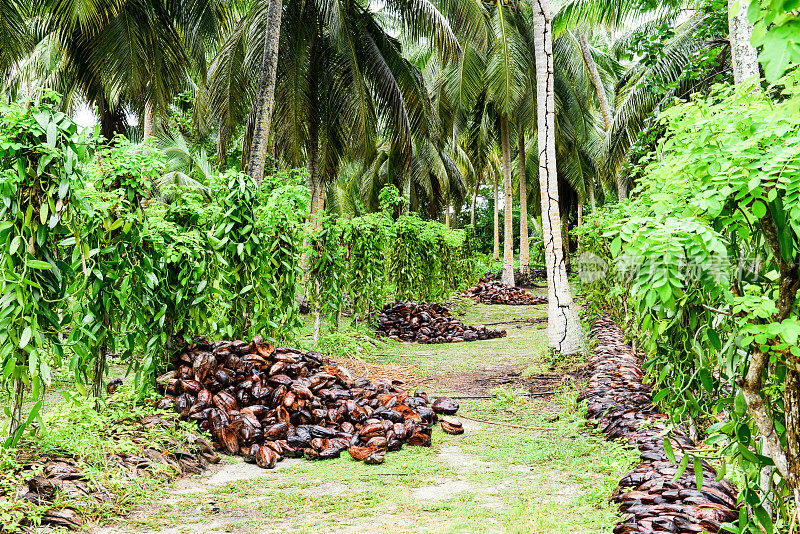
(38, 264)
(52, 134)
(25, 338)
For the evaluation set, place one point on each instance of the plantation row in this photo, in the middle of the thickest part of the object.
(704, 265)
(102, 253)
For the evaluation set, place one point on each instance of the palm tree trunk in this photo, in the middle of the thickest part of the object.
(321, 197)
(599, 87)
(496, 249)
(524, 244)
(592, 201)
(222, 147)
(149, 120)
(563, 325)
(313, 186)
(474, 200)
(743, 54)
(605, 109)
(447, 210)
(266, 93)
(407, 195)
(112, 119)
(580, 212)
(508, 200)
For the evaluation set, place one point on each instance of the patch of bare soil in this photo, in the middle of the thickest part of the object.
(481, 382)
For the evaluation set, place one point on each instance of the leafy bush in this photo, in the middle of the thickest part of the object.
(708, 256)
(40, 154)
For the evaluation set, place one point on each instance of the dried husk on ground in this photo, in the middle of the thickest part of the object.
(621, 406)
(428, 323)
(266, 404)
(51, 480)
(488, 291)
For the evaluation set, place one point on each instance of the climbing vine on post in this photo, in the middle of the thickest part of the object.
(110, 253)
(326, 273)
(40, 152)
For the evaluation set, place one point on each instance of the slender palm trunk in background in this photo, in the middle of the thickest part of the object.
(407, 196)
(592, 201)
(496, 243)
(508, 200)
(605, 109)
(524, 245)
(599, 87)
(474, 200)
(149, 120)
(563, 326)
(743, 54)
(265, 98)
(447, 210)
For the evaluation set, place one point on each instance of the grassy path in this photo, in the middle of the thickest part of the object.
(491, 479)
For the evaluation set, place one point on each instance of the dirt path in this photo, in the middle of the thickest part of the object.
(490, 479)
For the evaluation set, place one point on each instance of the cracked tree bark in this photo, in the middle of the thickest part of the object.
(265, 99)
(508, 200)
(524, 243)
(149, 120)
(563, 326)
(743, 54)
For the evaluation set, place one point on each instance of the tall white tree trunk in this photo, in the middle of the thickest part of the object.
(496, 243)
(592, 201)
(563, 326)
(508, 200)
(149, 120)
(524, 244)
(265, 99)
(743, 54)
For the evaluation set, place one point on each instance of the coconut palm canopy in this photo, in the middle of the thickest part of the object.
(410, 93)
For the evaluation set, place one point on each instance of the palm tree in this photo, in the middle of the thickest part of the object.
(507, 80)
(117, 54)
(368, 87)
(564, 328)
(261, 113)
(14, 34)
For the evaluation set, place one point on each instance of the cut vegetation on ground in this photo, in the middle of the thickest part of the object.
(544, 472)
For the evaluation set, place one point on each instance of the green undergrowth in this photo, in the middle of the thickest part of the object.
(75, 430)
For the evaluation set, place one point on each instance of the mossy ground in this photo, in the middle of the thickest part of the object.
(553, 477)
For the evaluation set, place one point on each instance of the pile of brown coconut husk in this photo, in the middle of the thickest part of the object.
(267, 403)
(428, 323)
(650, 496)
(488, 291)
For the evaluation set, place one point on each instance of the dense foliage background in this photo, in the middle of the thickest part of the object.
(381, 136)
